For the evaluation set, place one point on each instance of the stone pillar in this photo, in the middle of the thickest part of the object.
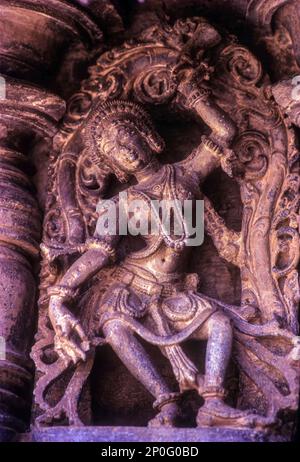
(27, 114)
(46, 43)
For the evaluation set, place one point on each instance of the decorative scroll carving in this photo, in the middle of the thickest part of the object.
(261, 11)
(259, 154)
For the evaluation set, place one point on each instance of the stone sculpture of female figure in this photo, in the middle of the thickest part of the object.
(150, 293)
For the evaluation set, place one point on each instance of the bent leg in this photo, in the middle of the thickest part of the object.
(217, 331)
(138, 362)
(214, 411)
(135, 358)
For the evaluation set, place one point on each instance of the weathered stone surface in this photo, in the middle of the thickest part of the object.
(139, 434)
(254, 150)
(218, 80)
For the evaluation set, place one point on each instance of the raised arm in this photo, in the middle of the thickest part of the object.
(213, 150)
(199, 98)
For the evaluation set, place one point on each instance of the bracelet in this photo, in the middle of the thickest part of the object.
(99, 244)
(166, 398)
(62, 291)
(201, 94)
(211, 146)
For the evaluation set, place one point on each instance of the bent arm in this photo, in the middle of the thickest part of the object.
(93, 260)
(199, 99)
(213, 150)
(85, 267)
(222, 127)
(97, 252)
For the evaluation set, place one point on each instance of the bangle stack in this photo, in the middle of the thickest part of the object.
(212, 146)
(200, 94)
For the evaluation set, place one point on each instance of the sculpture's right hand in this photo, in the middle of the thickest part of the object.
(70, 341)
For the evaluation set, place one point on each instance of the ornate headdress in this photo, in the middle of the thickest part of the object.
(114, 113)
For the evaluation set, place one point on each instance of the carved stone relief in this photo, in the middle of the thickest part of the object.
(101, 292)
(106, 105)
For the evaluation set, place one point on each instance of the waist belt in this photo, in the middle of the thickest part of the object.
(146, 286)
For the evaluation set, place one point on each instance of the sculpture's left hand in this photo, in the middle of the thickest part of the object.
(68, 348)
(70, 341)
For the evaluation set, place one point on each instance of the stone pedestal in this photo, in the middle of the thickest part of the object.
(143, 434)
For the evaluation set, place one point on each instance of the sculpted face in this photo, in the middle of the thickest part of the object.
(126, 148)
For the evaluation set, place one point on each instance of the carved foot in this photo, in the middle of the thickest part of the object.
(167, 417)
(215, 413)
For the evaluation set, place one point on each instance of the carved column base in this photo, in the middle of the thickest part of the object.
(17, 318)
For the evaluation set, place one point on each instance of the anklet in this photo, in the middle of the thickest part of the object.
(166, 398)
